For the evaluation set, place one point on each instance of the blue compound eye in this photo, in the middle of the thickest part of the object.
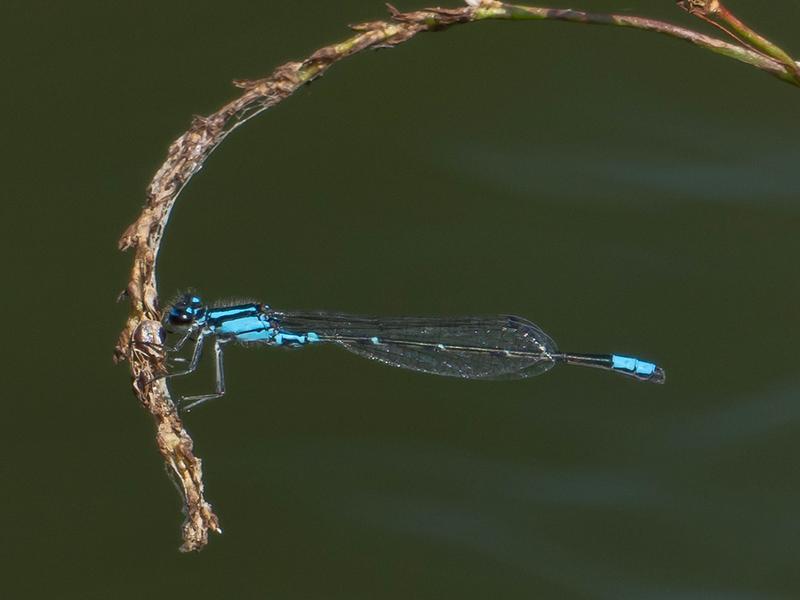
(185, 310)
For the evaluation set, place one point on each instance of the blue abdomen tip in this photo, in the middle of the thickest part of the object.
(633, 365)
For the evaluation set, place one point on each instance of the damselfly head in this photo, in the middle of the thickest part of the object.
(185, 311)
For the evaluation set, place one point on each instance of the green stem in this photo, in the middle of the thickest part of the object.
(512, 12)
(757, 41)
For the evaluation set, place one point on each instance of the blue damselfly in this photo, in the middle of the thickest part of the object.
(492, 347)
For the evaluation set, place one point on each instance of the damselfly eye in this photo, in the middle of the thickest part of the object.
(179, 317)
(185, 311)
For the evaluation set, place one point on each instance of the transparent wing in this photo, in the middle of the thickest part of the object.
(495, 347)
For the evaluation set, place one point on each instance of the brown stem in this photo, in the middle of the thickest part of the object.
(140, 340)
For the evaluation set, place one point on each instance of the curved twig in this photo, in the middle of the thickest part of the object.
(140, 340)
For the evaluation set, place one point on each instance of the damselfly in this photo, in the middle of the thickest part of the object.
(493, 347)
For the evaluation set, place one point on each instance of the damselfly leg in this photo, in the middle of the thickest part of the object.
(219, 389)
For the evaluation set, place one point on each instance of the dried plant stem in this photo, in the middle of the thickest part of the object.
(140, 341)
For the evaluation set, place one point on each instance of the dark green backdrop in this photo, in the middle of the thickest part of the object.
(627, 192)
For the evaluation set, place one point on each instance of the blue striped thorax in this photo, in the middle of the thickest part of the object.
(246, 323)
(249, 323)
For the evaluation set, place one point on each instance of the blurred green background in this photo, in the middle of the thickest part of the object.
(625, 191)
